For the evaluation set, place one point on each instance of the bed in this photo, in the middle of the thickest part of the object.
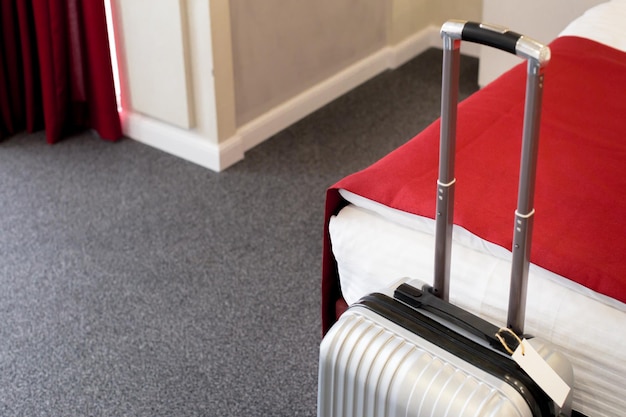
(379, 221)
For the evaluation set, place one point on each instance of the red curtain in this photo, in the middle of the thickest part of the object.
(55, 69)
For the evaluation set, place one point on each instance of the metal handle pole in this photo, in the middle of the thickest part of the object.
(446, 180)
(538, 55)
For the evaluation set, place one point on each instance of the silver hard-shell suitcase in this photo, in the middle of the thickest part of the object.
(407, 351)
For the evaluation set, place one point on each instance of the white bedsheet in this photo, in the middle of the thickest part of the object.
(376, 246)
(603, 23)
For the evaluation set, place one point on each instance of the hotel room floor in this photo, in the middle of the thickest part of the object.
(136, 283)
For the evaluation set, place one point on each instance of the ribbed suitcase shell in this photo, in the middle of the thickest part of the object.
(370, 366)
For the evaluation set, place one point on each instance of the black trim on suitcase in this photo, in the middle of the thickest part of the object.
(490, 361)
(426, 300)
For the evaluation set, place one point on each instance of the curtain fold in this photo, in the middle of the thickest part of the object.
(55, 69)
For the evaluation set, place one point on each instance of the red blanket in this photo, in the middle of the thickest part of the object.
(580, 220)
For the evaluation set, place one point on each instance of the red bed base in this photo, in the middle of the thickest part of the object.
(580, 221)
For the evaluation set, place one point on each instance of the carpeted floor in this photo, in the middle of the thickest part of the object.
(133, 283)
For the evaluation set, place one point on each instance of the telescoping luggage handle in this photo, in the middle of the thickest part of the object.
(538, 55)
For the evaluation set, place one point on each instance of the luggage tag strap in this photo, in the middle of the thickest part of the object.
(505, 344)
(536, 367)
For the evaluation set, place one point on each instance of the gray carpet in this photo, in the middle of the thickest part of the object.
(133, 283)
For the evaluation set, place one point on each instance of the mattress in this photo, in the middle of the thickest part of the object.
(375, 245)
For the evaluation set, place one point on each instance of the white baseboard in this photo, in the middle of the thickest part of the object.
(200, 150)
(182, 143)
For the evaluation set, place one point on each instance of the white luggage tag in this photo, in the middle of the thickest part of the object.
(538, 369)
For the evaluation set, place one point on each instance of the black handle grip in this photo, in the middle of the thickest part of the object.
(500, 38)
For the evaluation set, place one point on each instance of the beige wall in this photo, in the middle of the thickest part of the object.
(460, 9)
(222, 46)
(410, 16)
(282, 47)
(208, 79)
